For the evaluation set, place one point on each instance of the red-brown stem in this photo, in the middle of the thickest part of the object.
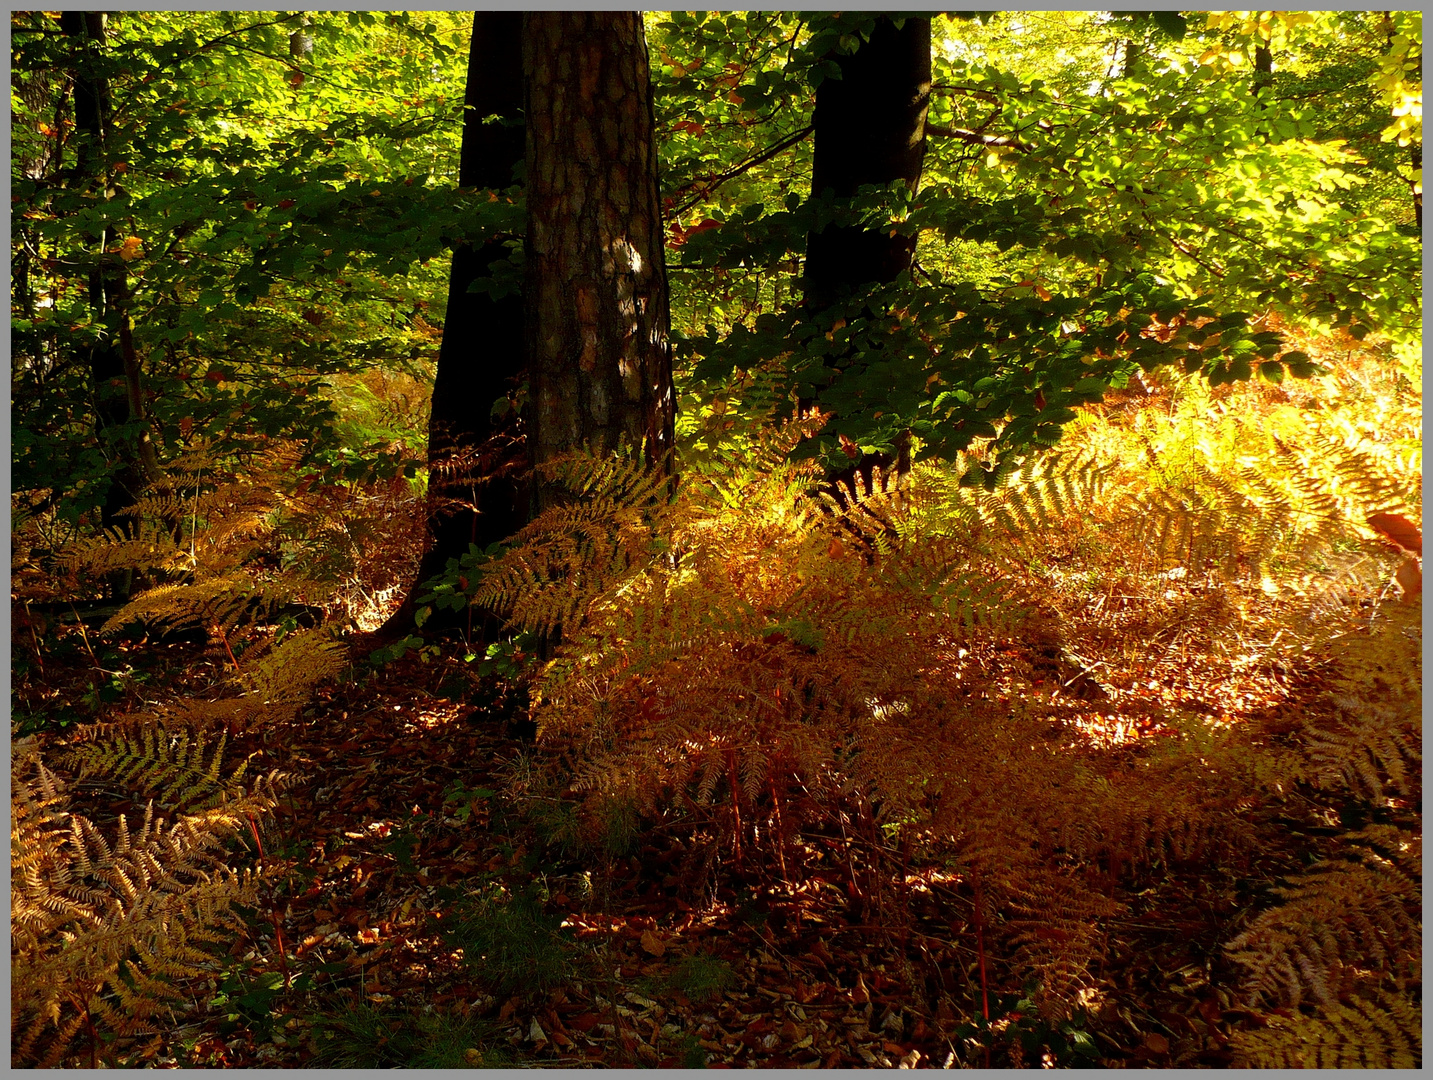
(780, 831)
(283, 954)
(850, 866)
(980, 948)
(254, 828)
(94, 1035)
(735, 782)
(225, 639)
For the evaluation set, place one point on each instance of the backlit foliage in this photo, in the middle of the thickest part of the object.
(748, 652)
(222, 546)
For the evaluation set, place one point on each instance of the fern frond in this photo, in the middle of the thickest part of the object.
(172, 765)
(148, 547)
(110, 925)
(1363, 912)
(284, 679)
(1380, 1031)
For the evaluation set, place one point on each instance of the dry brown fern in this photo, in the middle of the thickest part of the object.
(1351, 923)
(755, 651)
(108, 926)
(1381, 1030)
(1358, 912)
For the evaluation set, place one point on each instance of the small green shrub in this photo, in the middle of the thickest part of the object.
(701, 976)
(364, 1036)
(510, 941)
(619, 826)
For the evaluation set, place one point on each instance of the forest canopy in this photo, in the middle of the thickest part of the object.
(937, 493)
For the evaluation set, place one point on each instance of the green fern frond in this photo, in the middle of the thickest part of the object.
(179, 768)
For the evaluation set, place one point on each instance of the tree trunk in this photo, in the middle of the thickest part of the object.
(1263, 80)
(869, 129)
(113, 364)
(1415, 184)
(475, 458)
(597, 317)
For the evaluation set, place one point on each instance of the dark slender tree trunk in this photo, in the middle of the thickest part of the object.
(597, 317)
(113, 364)
(1263, 81)
(869, 129)
(1415, 185)
(476, 453)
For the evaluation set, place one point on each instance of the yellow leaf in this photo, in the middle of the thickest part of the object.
(130, 249)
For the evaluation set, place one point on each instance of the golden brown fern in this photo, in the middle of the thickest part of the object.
(1358, 910)
(1382, 1030)
(106, 927)
(1355, 914)
(760, 646)
(573, 551)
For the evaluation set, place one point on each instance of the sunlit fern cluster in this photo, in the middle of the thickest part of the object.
(745, 649)
(1243, 489)
(109, 925)
(748, 647)
(218, 545)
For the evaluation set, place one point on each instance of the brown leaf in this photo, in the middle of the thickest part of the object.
(860, 995)
(1399, 530)
(1409, 576)
(652, 944)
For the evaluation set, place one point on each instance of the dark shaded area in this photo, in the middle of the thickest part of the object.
(869, 129)
(475, 456)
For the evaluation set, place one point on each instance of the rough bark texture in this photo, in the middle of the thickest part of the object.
(869, 129)
(596, 285)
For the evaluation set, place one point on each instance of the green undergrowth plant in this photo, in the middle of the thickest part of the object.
(1018, 1034)
(360, 1035)
(700, 976)
(510, 941)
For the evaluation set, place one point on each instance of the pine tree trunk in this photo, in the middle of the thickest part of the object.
(595, 288)
(869, 129)
(475, 459)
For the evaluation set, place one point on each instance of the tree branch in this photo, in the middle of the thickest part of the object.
(975, 138)
(766, 155)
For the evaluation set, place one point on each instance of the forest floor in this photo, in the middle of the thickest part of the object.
(837, 951)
